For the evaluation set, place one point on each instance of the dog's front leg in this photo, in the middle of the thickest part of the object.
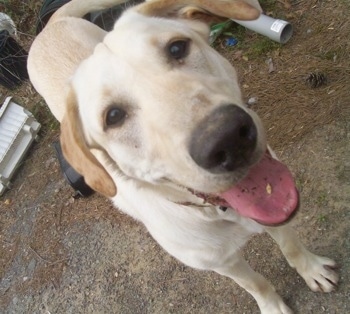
(264, 293)
(317, 271)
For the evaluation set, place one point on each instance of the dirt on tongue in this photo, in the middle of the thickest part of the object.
(267, 194)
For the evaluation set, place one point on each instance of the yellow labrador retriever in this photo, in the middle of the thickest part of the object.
(153, 118)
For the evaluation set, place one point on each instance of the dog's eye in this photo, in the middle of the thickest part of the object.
(178, 49)
(115, 116)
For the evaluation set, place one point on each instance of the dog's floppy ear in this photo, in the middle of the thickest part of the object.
(200, 9)
(77, 153)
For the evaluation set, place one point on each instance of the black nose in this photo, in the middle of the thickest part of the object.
(225, 140)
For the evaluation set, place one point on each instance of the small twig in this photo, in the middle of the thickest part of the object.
(38, 255)
(7, 242)
(175, 279)
(25, 34)
(60, 217)
(58, 261)
(54, 284)
(45, 260)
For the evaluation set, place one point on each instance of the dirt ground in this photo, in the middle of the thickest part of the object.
(59, 254)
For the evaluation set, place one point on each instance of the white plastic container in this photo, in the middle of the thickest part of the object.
(275, 29)
(18, 129)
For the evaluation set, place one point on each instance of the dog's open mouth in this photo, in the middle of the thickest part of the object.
(267, 194)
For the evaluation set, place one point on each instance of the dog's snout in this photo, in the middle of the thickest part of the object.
(225, 140)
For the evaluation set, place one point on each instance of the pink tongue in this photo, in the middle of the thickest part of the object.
(267, 194)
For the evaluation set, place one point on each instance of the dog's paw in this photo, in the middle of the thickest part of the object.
(319, 273)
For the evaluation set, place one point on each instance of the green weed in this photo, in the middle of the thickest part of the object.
(321, 199)
(262, 46)
(322, 218)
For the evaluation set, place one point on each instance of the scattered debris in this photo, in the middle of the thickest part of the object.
(231, 41)
(269, 189)
(237, 55)
(316, 79)
(217, 29)
(252, 101)
(7, 24)
(8, 201)
(270, 65)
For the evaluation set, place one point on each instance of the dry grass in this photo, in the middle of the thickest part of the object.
(289, 107)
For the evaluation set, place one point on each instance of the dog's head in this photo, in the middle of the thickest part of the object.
(162, 105)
